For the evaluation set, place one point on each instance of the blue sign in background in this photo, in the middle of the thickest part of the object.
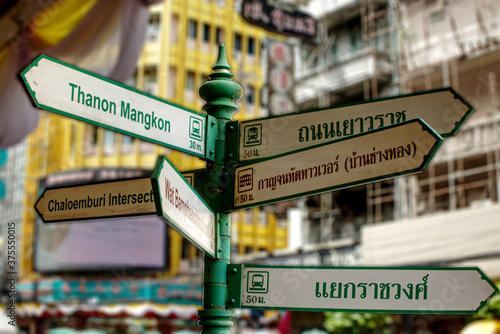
(110, 291)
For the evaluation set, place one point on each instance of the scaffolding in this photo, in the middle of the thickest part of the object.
(465, 173)
(431, 44)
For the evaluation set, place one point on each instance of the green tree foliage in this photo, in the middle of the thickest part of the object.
(355, 323)
(492, 309)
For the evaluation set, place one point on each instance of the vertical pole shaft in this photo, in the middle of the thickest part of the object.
(220, 94)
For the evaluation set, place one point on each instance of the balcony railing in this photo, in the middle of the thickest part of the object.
(363, 65)
(476, 136)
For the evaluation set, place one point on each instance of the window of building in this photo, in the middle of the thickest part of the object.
(93, 135)
(73, 138)
(309, 60)
(251, 51)
(190, 80)
(90, 146)
(127, 143)
(219, 36)
(127, 140)
(264, 97)
(436, 16)
(147, 147)
(263, 218)
(189, 89)
(174, 29)
(153, 28)
(250, 95)
(186, 248)
(355, 39)
(249, 216)
(172, 80)
(206, 33)
(333, 54)
(235, 217)
(132, 80)
(150, 81)
(109, 141)
(205, 46)
(237, 42)
(249, 100)
(192, 29)
(251, 46)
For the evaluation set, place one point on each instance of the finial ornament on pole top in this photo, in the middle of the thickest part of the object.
(220, 92)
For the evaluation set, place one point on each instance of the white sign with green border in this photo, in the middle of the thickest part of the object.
(360, 289)
(399, 149)
(73, 92)
(443, 109)
(181, 206)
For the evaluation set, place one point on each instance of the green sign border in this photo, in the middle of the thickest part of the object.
(235, 282)
(422, 167)
(159, 211)
(35, 102)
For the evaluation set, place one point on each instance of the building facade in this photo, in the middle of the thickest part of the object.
(441, 44)
(445, 216)
(369, 49)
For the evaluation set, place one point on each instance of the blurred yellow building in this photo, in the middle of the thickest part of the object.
(181, 47)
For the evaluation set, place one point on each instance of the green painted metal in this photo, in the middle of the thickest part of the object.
(211, 139)
(221, 95)
(234, 279)
(233, 142)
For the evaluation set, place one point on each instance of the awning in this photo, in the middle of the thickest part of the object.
(465, 237)
(139, 310)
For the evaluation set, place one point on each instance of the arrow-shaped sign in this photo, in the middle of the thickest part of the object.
(73, 92)
(182, 207)
(360, 289)
(113, 199)
(442, 109)
(384, 153)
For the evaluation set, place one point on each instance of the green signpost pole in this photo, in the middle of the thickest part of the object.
(220, 94)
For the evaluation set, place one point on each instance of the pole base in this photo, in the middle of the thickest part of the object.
(214, 321)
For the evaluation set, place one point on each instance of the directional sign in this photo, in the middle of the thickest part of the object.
(359, 289)
(99, 200)
(443, 109)
(182, 207)
(73, 92)
(388, 152)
